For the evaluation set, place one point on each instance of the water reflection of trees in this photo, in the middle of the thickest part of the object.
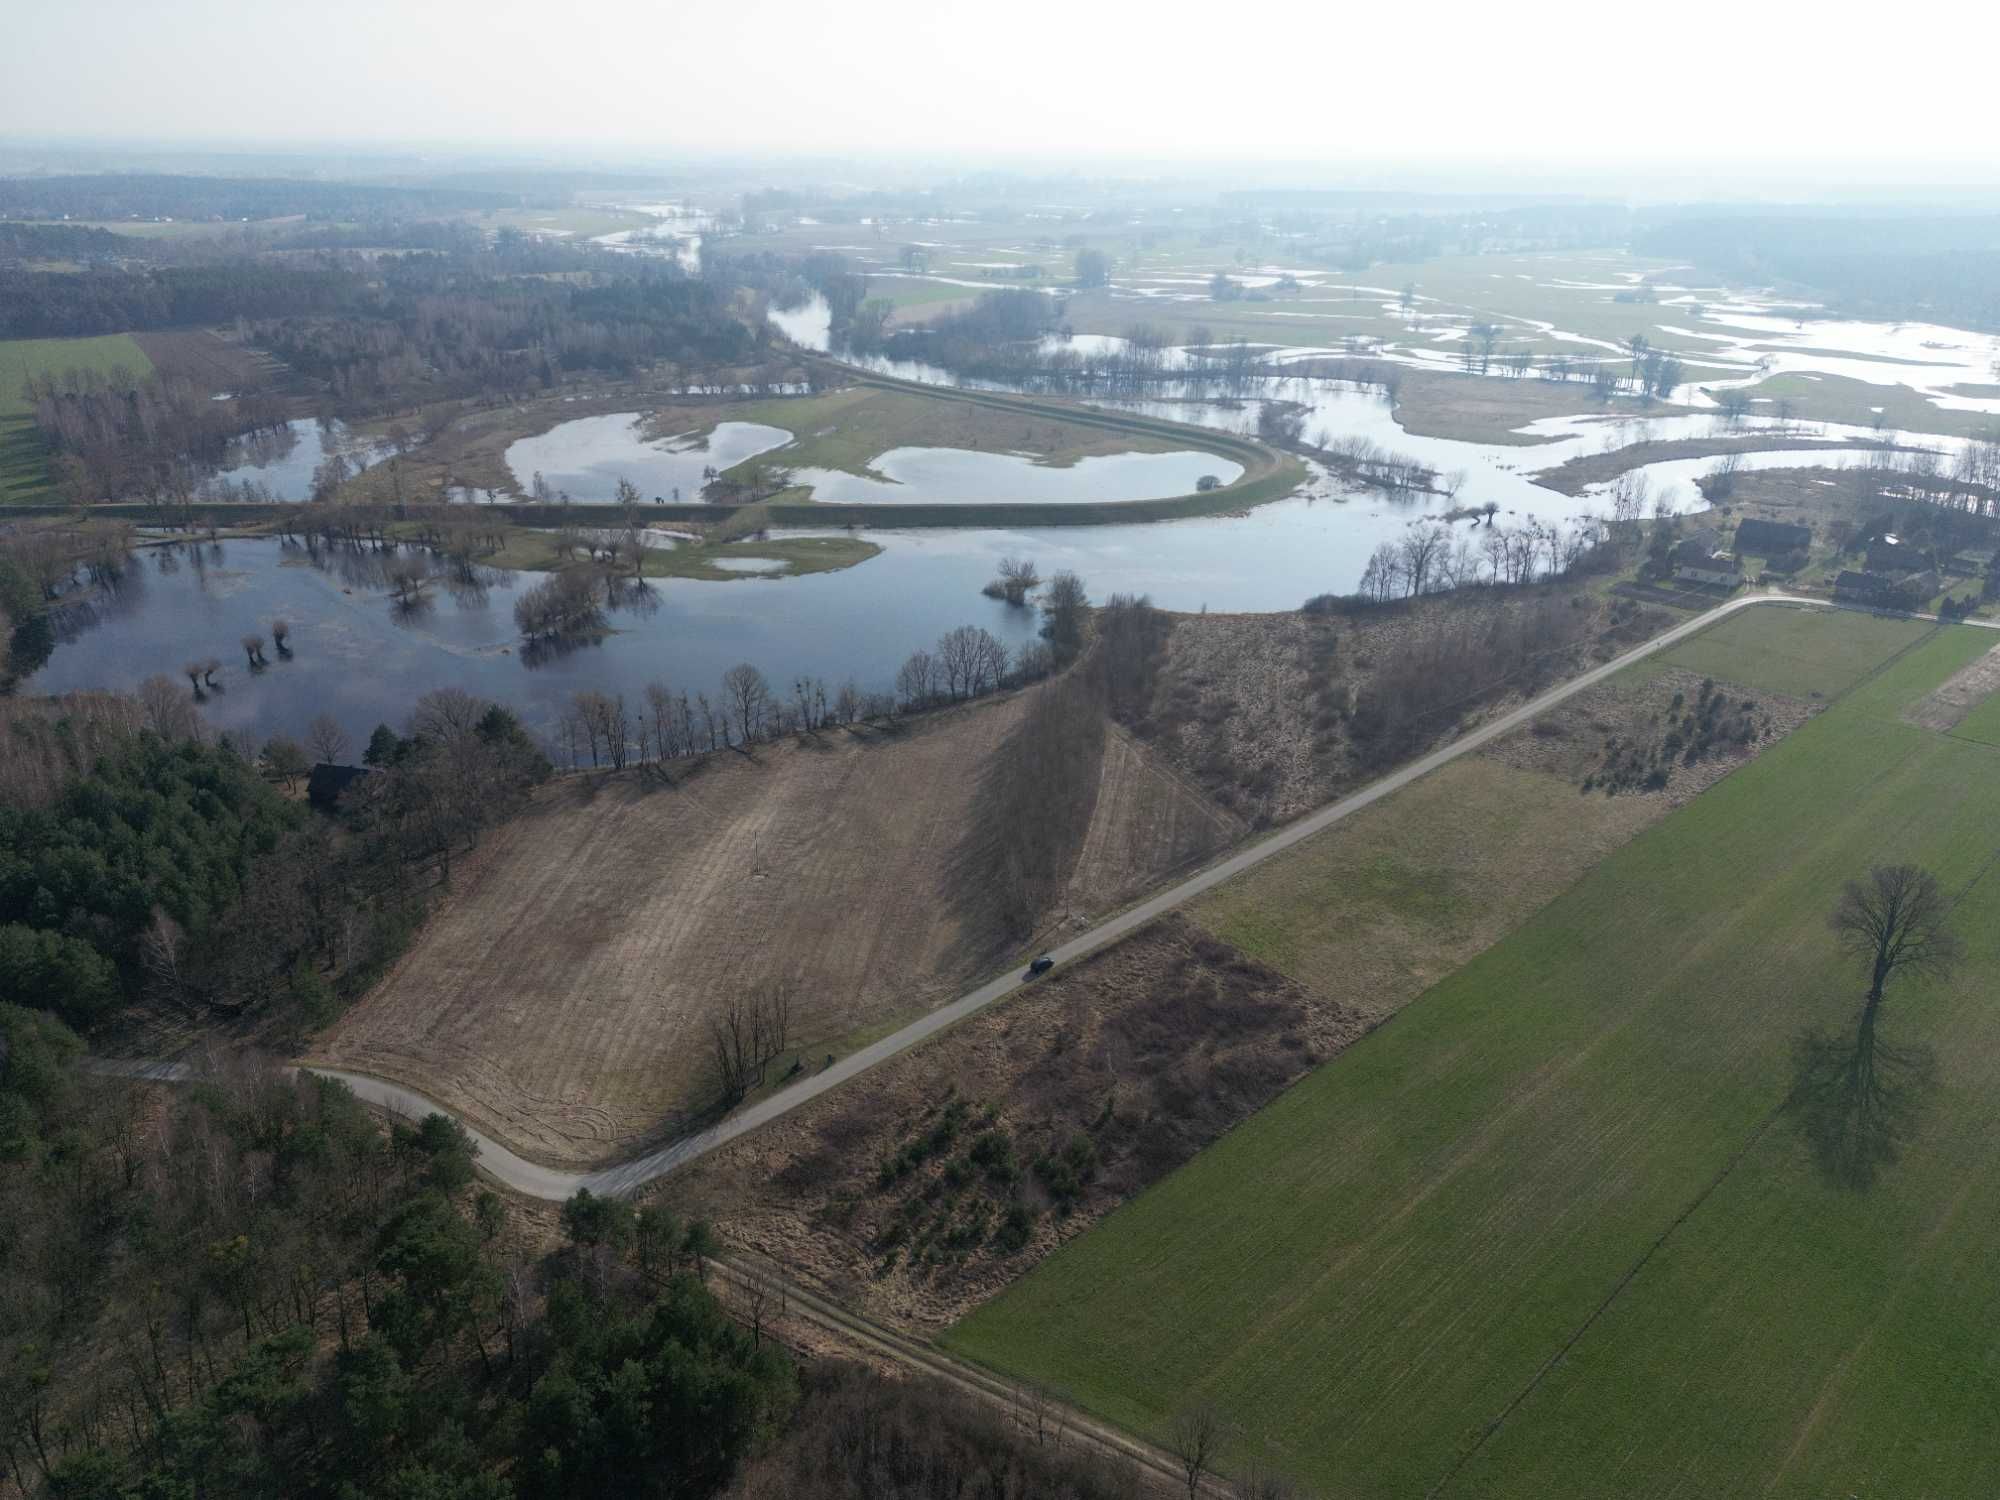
(1858, 1099)
(633, 596)
(550, 650)
(264, 447)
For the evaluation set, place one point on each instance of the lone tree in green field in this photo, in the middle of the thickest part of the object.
(1894, 922)
(1858, 1100)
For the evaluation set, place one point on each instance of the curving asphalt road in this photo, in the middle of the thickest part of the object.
(537, 1181)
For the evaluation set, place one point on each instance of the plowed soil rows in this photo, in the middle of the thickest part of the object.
(562, 997)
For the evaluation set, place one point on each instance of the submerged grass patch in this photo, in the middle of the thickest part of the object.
(534, 551)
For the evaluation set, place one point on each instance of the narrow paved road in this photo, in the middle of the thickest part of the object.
(538, 1181)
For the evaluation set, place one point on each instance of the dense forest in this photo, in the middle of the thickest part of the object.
(166, 196)
(363, 334)
(1935, 268)
(25, 242)
(144, 866)
(57, 304)
(248, 1288)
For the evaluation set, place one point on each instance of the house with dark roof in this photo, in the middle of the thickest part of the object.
(1771, 538)
(1700, 559)
(1875, 590)
(1891, 554)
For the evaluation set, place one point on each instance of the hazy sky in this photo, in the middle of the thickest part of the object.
(1541, 83)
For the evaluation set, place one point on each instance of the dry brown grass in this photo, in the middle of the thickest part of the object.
(1149, 1049)
(208, 359)
(1481, 409)
(1251, 707)
(560, 998)
(1947, 707)
(1569, 741)
(1378, 908)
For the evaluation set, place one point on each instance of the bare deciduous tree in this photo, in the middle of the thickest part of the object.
(1193, 1437)
(917, 679)
(1894, 923)
(284, 759)
(1017, 578)
(160, 956)
(747, 698)
(326, 739)
(168, 714)
(745, 1035)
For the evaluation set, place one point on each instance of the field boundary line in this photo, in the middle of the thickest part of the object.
(1617, 1290)
(744, 1267)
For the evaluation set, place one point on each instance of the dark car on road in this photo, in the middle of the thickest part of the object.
(1040, 966)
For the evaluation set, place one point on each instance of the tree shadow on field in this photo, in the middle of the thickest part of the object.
(1858, 1100)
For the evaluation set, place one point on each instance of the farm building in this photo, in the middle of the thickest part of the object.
(1771, 538)
(1877, 590)
(1891, 554)
(1700, 559)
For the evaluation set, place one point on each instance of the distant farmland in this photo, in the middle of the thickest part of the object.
(1551, 1231)
(23, 461)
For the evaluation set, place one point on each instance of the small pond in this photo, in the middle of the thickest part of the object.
(961, 476)
(589, 455)
(283, 459)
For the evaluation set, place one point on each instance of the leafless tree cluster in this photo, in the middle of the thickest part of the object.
(670, 725)
(1431, 559)
(1017, 579)
(609, 547)
(468, 766)
(567, 602)
(859, 1435)
(45, 742)
(968, 662)
(1368, 462)
(118, 435)
(1454, 661)
(745, 1036)
(55, 559)
(606, 726)
(1131, 638)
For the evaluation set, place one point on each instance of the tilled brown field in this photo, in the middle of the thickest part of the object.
(208, 359)
(561, 998)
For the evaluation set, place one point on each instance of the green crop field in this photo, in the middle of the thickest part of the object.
(20, 358)
(1552, 1231)
(23, 461)
(1983, 723)
(1794, 651)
